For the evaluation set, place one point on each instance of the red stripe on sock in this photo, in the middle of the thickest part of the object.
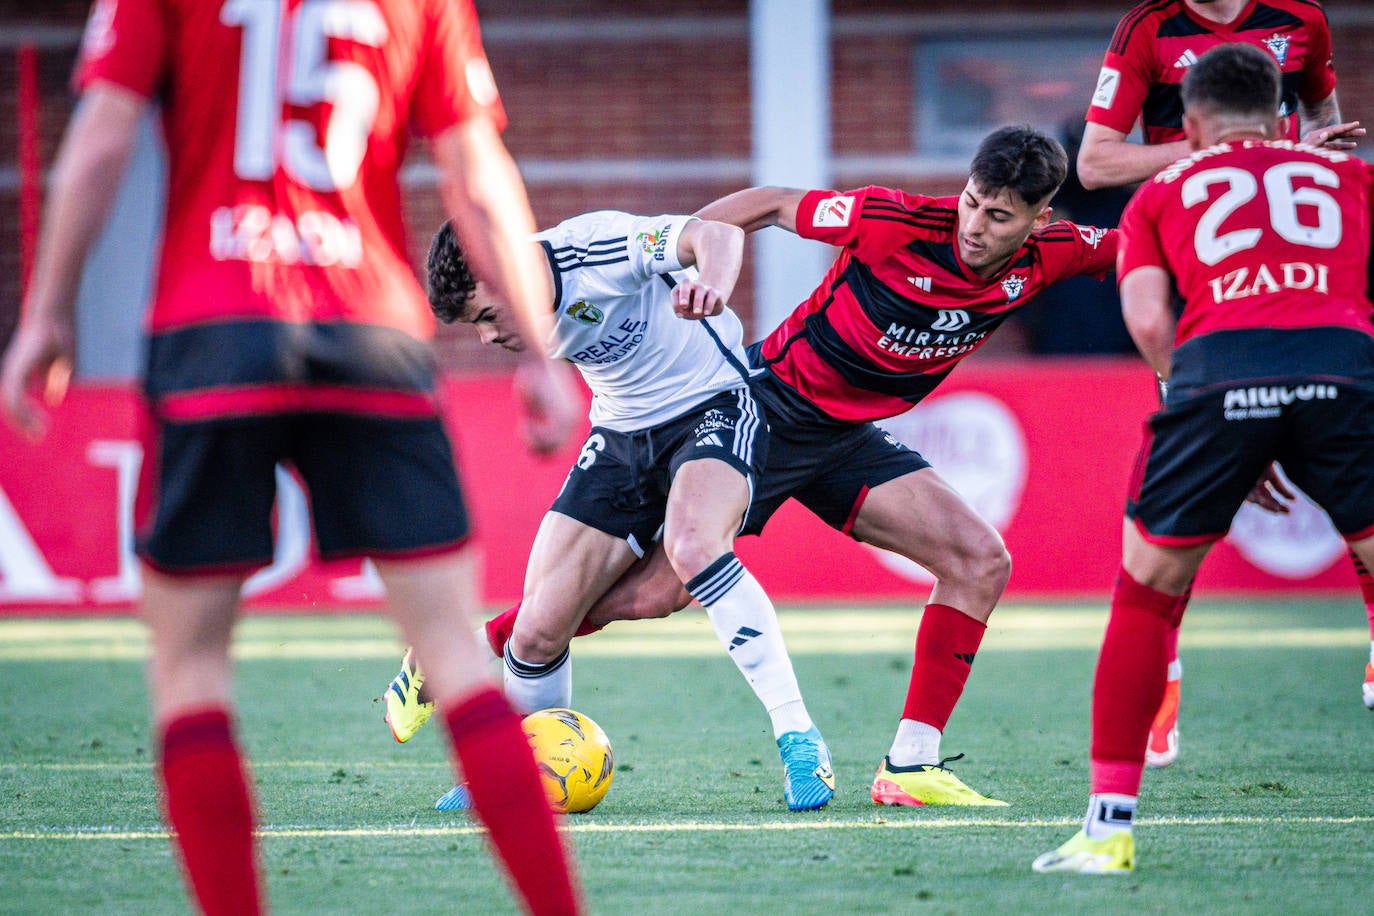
(208, 804)
(1129, 683)
(946, 642)
(508, 796)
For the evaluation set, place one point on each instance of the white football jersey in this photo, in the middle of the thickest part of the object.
(613, 274)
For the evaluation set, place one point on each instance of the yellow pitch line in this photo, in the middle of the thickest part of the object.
(920, 823)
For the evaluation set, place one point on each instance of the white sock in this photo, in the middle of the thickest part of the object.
(1371, 652)
(1109, 813)
(531, 686)
(916, 743)
(747, 626)
(1175, 670)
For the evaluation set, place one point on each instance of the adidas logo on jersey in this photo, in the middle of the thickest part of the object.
(921, 283)
(1185, 60)
(710, 439)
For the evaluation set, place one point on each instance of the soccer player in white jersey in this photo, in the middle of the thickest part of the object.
(638, 305)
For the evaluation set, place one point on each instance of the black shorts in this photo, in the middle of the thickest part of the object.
(1207, 448)
(382, 487)
(826, 465)
(620, 482)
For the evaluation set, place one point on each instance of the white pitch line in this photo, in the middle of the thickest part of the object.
(919, 823)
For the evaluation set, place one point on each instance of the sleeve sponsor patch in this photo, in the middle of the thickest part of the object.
(1107, 82)
(833, 211)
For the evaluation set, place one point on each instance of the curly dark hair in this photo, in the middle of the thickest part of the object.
(450, 283)
(1022, 160)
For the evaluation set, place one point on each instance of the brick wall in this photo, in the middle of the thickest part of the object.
(614, 104)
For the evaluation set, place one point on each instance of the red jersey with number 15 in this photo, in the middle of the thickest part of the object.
(285, 123)
(1158, 41)
(1257, 234)
(899, 309)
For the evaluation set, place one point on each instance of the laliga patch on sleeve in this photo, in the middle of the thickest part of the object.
(1107, 82)
(833, 211)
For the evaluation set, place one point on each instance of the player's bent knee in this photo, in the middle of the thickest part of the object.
(537, 645)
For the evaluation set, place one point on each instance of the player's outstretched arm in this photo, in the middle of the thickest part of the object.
(1319, 124)
(1107, 159)
(486, 199)
(717, 250)
(86, 177)
(754, 208)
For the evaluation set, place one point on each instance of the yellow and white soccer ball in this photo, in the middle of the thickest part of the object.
(574, 758)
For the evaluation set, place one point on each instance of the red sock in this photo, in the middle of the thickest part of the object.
(1182, 605)
(946, 643)
(1129, 683)
(1366, 589)
(502, 625)
(1171, 647)
(209, 806)
(508, 796)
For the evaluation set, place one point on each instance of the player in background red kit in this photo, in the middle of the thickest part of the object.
(919, 283)
(287, 325)
(1271, 359)
(1153, 47)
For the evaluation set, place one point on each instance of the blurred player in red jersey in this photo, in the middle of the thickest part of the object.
(920, 282)
(1154, 45)
(1271, 359)
(288, 326)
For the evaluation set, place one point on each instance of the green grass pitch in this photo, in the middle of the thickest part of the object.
(1270, 808)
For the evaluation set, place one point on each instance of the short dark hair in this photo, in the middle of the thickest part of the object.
(1022, 160)
(1236, 79)
(449, 281)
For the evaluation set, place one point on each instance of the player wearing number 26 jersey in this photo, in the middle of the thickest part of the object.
(1271, 360)
(1267, 242)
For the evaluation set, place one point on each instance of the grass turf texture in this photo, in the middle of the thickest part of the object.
(1268, 810)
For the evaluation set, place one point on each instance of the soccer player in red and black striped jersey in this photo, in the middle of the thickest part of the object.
(288, 326)
(1271, 359)
(1151, 51)
(920, 282)
(1153, 47)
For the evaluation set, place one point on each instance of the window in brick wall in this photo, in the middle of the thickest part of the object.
(968, 85)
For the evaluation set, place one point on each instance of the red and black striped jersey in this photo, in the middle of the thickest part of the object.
(899, 309)
(1156, 43)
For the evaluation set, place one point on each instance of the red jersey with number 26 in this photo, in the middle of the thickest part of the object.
(899, 309)
(1257, 235)
(285, 123)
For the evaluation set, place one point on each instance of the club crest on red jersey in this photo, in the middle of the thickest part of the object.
(1278, 46)
(1013, 286)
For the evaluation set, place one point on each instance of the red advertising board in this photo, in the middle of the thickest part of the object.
(1041, 449)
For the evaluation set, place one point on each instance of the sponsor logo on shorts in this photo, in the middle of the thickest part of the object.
(833, 211)
(1265, 402)
(711, 423)
(1108, 81)
(585, 312)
